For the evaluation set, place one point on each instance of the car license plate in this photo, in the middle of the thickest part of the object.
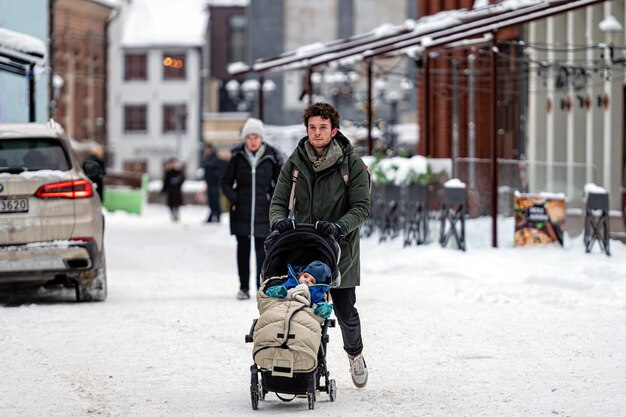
(13, 205)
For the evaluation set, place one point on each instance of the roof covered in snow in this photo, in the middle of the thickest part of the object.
(113, 4)
(22, 46)
(155, 23)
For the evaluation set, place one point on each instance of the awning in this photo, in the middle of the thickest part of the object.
(19, 52)
(411, 39)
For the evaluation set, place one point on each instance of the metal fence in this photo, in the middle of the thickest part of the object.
(414, 212)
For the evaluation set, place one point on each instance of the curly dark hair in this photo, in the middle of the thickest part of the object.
(323, 110)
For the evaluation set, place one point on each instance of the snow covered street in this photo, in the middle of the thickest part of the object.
(489, 332)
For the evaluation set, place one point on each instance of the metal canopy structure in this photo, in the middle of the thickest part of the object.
(428, 33)
(20, 54)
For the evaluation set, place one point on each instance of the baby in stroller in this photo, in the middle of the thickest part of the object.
(315, 276)
(290, 335)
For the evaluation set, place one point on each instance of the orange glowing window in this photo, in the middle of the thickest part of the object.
(174, 66)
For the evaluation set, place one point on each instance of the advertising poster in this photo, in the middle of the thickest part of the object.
(539, 219)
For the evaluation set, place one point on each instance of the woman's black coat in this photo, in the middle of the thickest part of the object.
(172, 187)
(250, 192)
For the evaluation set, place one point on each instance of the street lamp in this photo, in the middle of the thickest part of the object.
(610, 25)
(338, 83)
(244, 93)
(392, 94)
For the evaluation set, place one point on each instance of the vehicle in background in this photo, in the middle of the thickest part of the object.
(51, 219)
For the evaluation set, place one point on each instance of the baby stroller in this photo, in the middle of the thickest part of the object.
(299, 246)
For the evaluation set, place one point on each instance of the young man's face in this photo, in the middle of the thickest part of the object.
(253, 142)
(320, 133)
(306, 278)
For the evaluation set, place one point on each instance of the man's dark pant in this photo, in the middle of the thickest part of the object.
(243, 260)
(213, 197)
(343, 300)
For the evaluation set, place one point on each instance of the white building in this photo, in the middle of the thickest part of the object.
(576, 102)
(155, 84)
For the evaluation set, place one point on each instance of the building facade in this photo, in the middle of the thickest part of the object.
(576, 97)
(156, 85)
(80, 68)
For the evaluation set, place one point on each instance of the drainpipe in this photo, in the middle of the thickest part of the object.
(51, 34)
(494, 141)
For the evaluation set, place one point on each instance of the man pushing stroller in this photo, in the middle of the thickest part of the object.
(326, 184)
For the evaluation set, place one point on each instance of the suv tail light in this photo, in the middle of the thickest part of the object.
(66, 189)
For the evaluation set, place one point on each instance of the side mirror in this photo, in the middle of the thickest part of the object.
(93, 170)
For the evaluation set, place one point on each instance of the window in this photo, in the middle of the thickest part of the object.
(32, 155)
(174, 118)
(135, 67)
(173, 66)
(135, 118)
(237, 33)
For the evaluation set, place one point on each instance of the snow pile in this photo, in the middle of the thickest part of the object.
(396, 170)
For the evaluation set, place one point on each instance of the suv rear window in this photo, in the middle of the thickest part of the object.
(17, 155)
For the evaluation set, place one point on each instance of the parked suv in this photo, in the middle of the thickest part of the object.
(51, 221)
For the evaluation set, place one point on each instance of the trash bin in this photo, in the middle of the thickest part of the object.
(126, 192)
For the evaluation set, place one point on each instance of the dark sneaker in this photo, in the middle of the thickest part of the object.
(358, 370)
(243, 295)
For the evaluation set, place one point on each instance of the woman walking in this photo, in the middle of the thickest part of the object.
(173, 179)
(248, 183)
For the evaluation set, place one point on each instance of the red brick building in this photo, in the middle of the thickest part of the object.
(437, 93)
(79, 58)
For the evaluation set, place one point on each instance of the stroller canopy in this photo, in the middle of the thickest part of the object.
(299, 247)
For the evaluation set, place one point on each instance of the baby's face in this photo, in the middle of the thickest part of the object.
(306, 278)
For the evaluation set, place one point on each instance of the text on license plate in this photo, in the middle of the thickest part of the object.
(13, 205)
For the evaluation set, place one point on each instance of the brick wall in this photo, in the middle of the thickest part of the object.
(79, 40)
(436, 94)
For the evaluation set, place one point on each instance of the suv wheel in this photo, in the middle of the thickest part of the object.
(96, 290)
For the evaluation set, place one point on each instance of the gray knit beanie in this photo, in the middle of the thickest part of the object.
(252, 126)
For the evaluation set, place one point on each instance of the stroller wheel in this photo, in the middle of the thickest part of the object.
(332, 390)
(255, 400)
(254, 387)
(311, 398)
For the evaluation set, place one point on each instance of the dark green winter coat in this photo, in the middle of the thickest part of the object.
(326, 196)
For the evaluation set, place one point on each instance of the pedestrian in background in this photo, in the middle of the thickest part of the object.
(248, 183)
(173, 179)
(96, 154)
(213, 170)
(331, 192)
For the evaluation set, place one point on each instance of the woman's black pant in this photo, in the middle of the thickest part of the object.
(243, 260)
(348, 317)
(213, 197)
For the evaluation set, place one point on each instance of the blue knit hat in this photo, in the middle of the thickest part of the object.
(319, 270)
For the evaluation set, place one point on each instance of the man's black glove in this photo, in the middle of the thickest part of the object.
(283, 225)
(330, 229)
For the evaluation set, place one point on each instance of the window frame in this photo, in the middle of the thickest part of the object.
(169, 124)
(171, 73)
(143, 128)
(128, 67)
